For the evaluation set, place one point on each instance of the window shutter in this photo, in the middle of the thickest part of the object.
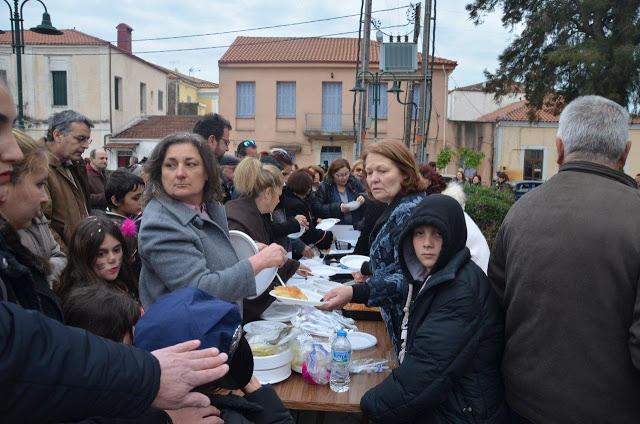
(59, 79)
(416, 99)
(160, 99)
(382, 106)
(246, 99)
(286, 100)
(116, 87)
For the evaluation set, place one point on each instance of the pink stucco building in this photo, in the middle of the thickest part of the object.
(294, 93)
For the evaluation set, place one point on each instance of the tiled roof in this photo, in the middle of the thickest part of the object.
(156, 127)
(301, 50)
(70, 37)
(199, 83)
(519, 88)
(518, 112)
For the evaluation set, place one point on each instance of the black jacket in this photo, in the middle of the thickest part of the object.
(323, 205)
(260, 407)
(293, 205)
(53, 373)
(24, 275)
(454, 344)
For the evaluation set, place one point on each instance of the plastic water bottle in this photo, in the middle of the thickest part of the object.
(340, 357)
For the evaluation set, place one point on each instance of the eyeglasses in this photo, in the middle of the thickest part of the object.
(248, 143)
(344, 175)
(226, 141)
(82, 139)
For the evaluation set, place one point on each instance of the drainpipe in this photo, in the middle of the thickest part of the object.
(444, 113)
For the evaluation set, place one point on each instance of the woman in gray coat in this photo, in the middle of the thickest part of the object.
(184, 237)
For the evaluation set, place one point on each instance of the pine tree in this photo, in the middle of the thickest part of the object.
(567, 48)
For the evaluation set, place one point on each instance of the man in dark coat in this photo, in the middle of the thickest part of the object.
(452, 329)
(565, 264)
(97, 177)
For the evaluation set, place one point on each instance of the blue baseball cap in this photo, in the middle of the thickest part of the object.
(189, 314)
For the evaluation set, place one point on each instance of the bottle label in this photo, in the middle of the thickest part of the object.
(338, 356)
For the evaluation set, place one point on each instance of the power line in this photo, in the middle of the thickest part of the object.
(281, 40)
(260, 28)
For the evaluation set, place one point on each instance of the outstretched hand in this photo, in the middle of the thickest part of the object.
(182, 368)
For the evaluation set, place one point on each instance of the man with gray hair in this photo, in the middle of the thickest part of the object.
(68, 136)
(566, 265)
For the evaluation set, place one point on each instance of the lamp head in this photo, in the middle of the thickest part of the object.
(358, 88)
(46, 27)
(395, 88)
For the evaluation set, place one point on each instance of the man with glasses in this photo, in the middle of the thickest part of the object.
(247, 148)
(68, 136)
(214, 128)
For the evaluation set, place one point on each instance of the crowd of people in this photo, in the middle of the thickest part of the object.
(121, 293)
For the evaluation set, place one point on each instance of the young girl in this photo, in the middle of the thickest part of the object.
(452, 329)
(98, 254)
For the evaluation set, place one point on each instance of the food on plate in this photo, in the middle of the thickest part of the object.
(262, 349)
(290, 292)
(360, 307)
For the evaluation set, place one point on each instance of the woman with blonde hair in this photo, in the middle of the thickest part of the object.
(357, 169)
(259, 186)
(393, 178)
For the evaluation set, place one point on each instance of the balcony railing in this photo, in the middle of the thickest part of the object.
(328, 124)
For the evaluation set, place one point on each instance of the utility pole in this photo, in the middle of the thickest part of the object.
(365, 67)
(409, 113)
(424, 107)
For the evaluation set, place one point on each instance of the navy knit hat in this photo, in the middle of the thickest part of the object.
(189, 314)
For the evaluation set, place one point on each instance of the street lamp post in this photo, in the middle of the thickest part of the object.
(376, 93)
(17, 42)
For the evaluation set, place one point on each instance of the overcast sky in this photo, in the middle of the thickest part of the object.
(474, 48)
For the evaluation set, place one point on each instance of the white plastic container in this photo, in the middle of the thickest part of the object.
(273, 369)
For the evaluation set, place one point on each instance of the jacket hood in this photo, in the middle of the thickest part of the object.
(444, 213)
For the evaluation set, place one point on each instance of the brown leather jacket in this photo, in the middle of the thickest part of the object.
(96, 188)
(68, 202)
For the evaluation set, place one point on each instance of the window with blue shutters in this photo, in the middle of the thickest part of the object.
(59, 79)
(286, 100)
(416, 99)
(246, 99)
(382, 106)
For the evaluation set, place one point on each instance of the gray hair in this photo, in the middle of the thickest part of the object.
(133, 159)
(62, 121)
(593, 128)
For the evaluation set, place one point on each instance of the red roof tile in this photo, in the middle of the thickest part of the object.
(301, 50)
(518, 112)
(518, 88)
(69, 37)
(157, 127)
(200, 83)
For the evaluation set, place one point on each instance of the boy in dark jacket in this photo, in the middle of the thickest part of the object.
(452, 330)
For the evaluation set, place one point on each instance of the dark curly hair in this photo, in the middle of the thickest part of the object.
(438, 184)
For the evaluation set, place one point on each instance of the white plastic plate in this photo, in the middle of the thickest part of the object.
(314, 299)
(353, 205)
(280, 312)
(271, 324)
(353, 262)
(245, 247)
(361, 340)
(323, 272)
(327, 223)
(298, 234)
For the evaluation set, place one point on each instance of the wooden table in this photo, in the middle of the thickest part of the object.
(300, 395)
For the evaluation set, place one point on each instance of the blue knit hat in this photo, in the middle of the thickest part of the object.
(189, 314)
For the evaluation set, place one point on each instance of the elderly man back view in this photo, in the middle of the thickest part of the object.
(68, 136)
(566, 263)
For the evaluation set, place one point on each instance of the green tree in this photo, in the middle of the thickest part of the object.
(567, 48)
(469, 158)
(444, 157)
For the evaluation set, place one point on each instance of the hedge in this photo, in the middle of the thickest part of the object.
(488, 207)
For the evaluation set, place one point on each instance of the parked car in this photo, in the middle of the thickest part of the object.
(522, 187)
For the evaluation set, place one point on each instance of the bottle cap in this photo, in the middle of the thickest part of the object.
(342, 333)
